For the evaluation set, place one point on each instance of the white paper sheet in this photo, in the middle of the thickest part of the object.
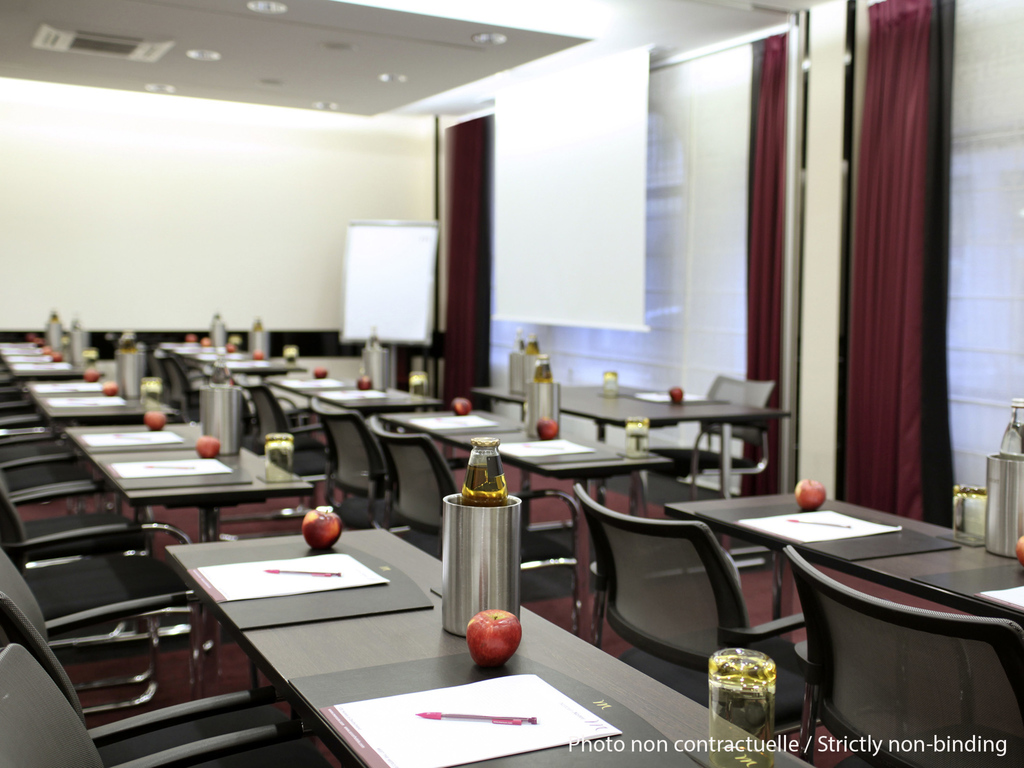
(131, 470)
(390, 726)
(85, 402)
(453, 422)
(71, 386)
(663, 397)
(41, 367)
(130, 439)
(212, 356)
(543, 448)
(314, 384)
(248, 364)
(1013, 597)
(353, 394)
(822, 525)
(18, 346)
(247, 581)
(30, 359)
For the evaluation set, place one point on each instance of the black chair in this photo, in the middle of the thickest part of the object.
(356, 467)
(420, 478)
(909, 678)
(694, 462)
(41, 728)
(76, 594)
(181, 394)
(669, 589)
(35, 445)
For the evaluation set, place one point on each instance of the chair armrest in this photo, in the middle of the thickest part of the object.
(57, 491)
(305, 428)
(117, 611)
(741, 635)
(220, 746)
(96, 532)
(147, 722)
(25, 435)
(572, 503)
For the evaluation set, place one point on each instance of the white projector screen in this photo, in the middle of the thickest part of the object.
(388, 281)
(570, 196)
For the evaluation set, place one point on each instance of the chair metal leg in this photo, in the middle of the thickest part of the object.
(597, 618)
(148, 676)
(808, 722)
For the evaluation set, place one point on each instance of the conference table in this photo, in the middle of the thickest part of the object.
(83, 403)
(334, 648)
(346, 395)
(589, 402)
(921, 560)
(237, 362)
(243, 482)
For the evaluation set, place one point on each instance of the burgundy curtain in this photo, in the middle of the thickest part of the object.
(766, 227)
(883, 436)
(467, 335)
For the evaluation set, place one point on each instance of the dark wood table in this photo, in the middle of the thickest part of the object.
(590, 403)
(205, 493)
(81, 436)
(394, 400)
(45, 371)
(316, 664)
(950, 576)
(96, 408)
(238, 363)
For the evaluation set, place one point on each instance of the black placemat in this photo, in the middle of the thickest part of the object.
(903, 542)
(975, 580)
(323, 691)
(400, 594)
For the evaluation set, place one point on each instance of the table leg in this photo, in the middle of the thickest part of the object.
(638, 493)
(726, 464)
(209, 523)
(778, 568)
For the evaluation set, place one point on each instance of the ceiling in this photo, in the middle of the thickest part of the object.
(325, 54)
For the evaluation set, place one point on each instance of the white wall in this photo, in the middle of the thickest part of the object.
(152, 212)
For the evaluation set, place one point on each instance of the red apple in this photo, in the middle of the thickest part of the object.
(191, 338)
(364, 382)
(205, 342)
(208, 447)
(321, 527)
(110, 388)
(47, 350)
(810, 494)
(676, 394)
(155, 420)
(461, 406)
(258, 354)
(493, 637)
(31, 337)
(1020, 550)
(230, 348)
(319, 373)
(91, 374)
(57, 357)
(547, 429)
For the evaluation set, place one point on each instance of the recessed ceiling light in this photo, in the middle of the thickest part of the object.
(273, 82)
(160, 88)
(389, 77)
(489, 38)
(326, 105)
(334, 45)
(266, 6)
(200, 54)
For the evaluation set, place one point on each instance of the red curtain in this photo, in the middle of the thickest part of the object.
(767, 224)
(468, 257)
(883, 437)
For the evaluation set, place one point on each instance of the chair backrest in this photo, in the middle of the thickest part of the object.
(178, 385)
(15, 627)
(357, 461)
(741, 392)
(270, 416)
(899, 674)
(669, 583)
(420, 479)
(11, 528)
(38, 729)
(13, 584)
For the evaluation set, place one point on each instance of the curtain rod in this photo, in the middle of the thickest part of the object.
(735, 42)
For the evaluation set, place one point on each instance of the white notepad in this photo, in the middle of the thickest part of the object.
(129, 439)
(543, 448)
(132, 470)
(452, 422)
(248, 364)
(30, 359)
(41, 367)
(817, 526)
(1014, 597)
(389, 731)
(248, 581)
(353, 394)
(314, 384)
(71, 386)
(85, 402)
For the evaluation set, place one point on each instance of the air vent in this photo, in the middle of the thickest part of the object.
(97, 44)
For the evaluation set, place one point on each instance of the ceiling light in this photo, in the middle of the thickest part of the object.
(326, 105)
(388, 77)
(160, 88)
(489, 38)
(266, 6)
(200, 54)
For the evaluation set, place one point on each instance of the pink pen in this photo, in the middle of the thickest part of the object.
(302, 573)
(495, 719)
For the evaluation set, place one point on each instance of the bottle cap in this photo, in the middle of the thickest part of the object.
(1017, 402)
(485, 442)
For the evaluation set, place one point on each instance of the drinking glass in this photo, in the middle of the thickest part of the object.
(969, 509)
(290, 353)
(279, 452)
(611, 384)
(150, 391)
(638, 430)
(418, 383)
